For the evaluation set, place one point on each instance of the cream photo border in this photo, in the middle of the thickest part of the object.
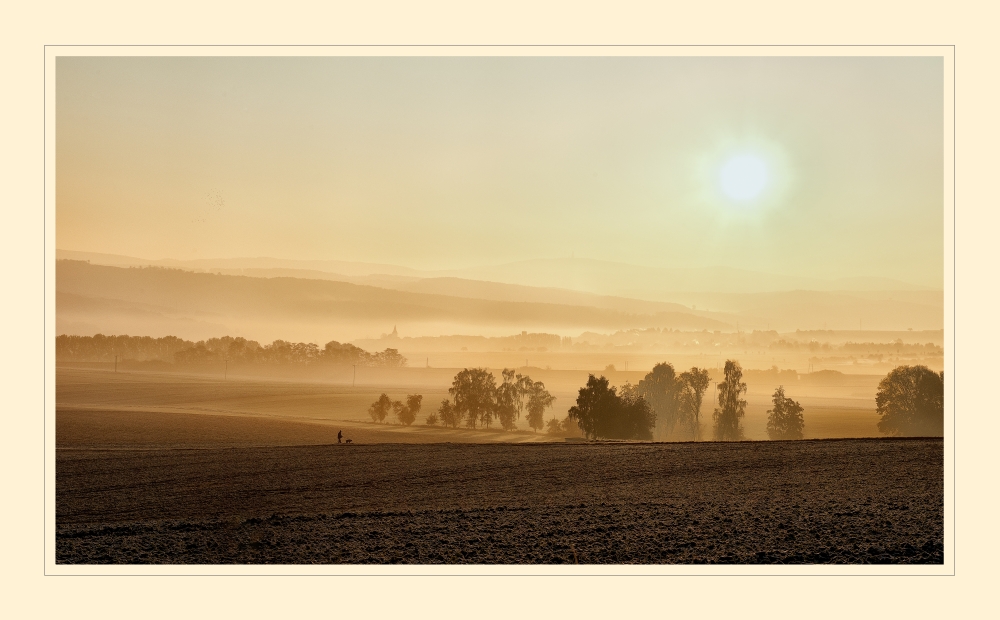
(947, 53)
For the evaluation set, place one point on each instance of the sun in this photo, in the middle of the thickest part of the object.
(743, 177)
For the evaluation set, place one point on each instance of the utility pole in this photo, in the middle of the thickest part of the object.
(355, 374)
(225, 373)
(116, 363)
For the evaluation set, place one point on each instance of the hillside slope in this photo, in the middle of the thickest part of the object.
(113, 299)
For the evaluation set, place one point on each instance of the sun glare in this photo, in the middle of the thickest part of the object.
(743, 177)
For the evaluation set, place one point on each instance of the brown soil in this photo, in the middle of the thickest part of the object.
(846, 501)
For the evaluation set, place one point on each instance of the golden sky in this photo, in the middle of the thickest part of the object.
(827, 167)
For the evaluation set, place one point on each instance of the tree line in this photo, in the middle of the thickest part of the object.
(909, 402)
(101, 348)
(478, 400)
(283, 352)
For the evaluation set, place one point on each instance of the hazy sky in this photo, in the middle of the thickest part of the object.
(804, 166)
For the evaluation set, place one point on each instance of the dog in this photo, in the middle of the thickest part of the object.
(349, 441)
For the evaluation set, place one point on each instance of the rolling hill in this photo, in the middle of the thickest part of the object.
(117, 299)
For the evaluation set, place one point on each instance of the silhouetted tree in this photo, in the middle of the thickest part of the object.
(600, 412)
(661, 389)
(555, 427)
(635, 419)
(910, 401)
(432, 419)
(407, 413)
(337, 353)
(784, 421)
(539, 400)
(380, 408)
(595, 402)
(450, 415)
(627, 389)
(474, 391)
(399, 409)
(565, 427)
(731, 404)
(283, 352)
(508, 400)
(390, 358)
(695, 383)
(413, 404)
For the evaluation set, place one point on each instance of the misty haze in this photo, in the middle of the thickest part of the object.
(498, 310)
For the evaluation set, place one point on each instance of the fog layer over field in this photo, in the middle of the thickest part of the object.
(333, 398)
(576, 295)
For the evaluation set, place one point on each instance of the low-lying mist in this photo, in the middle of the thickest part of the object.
(159, 301)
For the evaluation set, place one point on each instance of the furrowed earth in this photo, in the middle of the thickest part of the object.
(853, 501)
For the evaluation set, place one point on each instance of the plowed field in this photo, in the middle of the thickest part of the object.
(823, 501)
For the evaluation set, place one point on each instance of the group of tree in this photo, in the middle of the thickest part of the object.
(406, 412)
(910, 401)
(784, 419)
(477, 400)
(675, 398)
(101, 348)
(663, 401)
(602, 413)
